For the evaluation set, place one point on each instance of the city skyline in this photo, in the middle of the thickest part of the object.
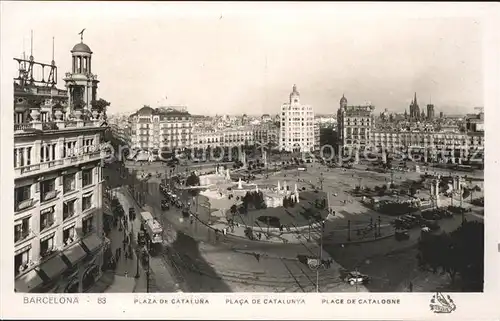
(216, 63)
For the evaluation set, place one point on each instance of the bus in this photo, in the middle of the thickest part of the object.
(152, 228)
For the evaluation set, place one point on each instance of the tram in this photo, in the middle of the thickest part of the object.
(152, 232)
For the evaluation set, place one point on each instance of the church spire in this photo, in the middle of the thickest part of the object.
(415, 99)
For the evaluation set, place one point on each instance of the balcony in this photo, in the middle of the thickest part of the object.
(25, 171)
(48, 196)
(47, 224)
(68, 214)
(50, 164)
(46, 253)
(21, 206)
(23, 127)
(69, 124)
(23, 267)
(18, 237)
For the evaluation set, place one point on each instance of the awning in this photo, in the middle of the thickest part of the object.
(54, 267)
(74, 253)
(28, 282)
(107, 208)
(91, 243)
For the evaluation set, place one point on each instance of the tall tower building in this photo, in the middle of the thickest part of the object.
(58, 207)
(414, 109)
(430, 112)
(297, 125)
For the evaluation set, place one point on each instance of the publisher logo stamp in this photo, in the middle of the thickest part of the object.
(442, 304)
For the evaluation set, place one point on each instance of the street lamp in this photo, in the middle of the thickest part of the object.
(137, 275)
(320, 257)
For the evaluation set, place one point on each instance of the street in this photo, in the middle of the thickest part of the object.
(194, 259)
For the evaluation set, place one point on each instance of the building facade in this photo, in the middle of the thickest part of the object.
(354, 126)
(296, 125)
(204, 138)
(266, 134)
(161, 128)
(316, 136)
(434, 145)
(58, 208)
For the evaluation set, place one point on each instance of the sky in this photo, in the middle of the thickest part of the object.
(232, 59)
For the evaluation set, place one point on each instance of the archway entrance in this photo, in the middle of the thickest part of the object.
(90, 276)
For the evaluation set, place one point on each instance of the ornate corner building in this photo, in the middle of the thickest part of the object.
(58, 208)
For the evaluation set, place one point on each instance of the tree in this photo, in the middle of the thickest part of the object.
(100, 105)
(468, 241)
(193, 180)
(460, 252)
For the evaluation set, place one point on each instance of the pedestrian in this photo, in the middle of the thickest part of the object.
(224, 231)
(411, 286)
(126, 274)
(116, 252)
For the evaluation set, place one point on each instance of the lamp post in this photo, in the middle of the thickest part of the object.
(320, 258)
(137, 275)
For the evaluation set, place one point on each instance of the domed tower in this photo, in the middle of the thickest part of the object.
(294, 96)
(81, 83)
(343, 102)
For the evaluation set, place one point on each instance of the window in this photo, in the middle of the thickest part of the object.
(69, 183)
(48, 189)
(46, 218)
(21, 230)
(88, 225)
(21, 261)
(86, 202)
(47, 246)
(22, 156)
(68, 209)
(86, 177)
(22, 197)
(68, 235)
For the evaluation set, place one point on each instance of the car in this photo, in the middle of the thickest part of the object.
(432, 225)
(431, 215)
(164, 205)
(356, 278)
(402, 235)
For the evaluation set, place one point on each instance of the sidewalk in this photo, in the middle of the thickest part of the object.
(161, 279)
(126, 269)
